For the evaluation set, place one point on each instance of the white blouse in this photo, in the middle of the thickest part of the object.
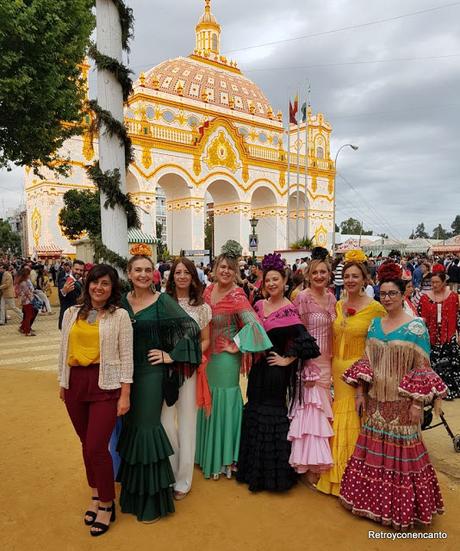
(201, 314)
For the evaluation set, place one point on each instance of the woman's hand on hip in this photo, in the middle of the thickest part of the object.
(157, 357)
(123, 405)
(415, 413)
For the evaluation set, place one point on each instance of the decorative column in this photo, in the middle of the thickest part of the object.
(185, 224)
(114, 228)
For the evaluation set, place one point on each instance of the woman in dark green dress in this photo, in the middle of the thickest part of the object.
(165, 338)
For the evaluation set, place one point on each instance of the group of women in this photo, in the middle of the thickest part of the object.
(170, 364)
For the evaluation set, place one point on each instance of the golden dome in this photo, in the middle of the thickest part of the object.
(209, 82)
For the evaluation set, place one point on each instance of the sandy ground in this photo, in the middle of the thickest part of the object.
(43, 491)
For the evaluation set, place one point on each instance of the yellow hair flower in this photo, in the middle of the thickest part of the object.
(355, 256)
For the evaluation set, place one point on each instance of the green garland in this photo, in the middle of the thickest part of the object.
(126, 17)
(108, 182)
(102, 252)
(112, 65)
(113, 126)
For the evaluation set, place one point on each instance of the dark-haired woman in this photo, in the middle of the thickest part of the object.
(165, 338)
(95, 373)
(389, 477)
(440, 310)
(265, 449)
(354, 315)
(25, 292)
(179, 420)
(235, 334)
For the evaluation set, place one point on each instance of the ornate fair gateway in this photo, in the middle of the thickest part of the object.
(206, 140)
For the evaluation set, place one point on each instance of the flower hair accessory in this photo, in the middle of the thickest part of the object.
(232, 249)
(389, 271)
(272, 262)
(319, 253)
(356, 255)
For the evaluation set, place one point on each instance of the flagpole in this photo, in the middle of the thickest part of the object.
(298, 177)
(306, 230)
(288, 209)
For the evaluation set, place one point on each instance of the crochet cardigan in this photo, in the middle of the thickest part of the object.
(116, 349)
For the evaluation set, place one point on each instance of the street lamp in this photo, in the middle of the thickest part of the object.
(253, 221)
(355, 148)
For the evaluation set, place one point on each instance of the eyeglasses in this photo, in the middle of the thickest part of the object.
(390, 294)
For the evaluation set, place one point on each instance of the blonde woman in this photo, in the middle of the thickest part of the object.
(311, 410)
(354, 315)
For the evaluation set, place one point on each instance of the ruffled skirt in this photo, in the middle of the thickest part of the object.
(218, 436)
(264, 452)
(145, 472)
(389, 478)
(310, 431)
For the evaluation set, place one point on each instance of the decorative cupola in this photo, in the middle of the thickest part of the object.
(208, 32)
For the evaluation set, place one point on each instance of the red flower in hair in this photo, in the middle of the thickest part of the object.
(437, 268)
(389, 271)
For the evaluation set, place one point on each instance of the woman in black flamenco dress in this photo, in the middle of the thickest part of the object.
(274, 377)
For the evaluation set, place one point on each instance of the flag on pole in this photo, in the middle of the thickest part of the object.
(293, 108)
(304, 112)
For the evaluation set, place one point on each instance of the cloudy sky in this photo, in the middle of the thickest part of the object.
(385, 74)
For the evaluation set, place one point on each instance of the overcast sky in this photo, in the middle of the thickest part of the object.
(392, 87)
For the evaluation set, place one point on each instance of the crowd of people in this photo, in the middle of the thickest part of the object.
(340, 359)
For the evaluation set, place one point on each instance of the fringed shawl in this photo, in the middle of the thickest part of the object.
(396, 357)
(234, 320)
(166, 326)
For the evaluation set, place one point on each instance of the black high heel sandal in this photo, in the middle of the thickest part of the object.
(103, 527)
(91, 514)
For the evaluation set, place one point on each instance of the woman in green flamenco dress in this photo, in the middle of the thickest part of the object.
(235, 334)
(164, 337)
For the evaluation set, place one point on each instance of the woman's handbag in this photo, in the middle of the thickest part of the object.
(171, 386)
(37, 303)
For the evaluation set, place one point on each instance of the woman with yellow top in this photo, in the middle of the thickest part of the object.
(354, 315)
(95, 375)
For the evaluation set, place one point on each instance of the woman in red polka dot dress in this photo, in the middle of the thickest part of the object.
(389, 477)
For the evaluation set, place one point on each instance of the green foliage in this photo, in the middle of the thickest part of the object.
(456, 225)
(41, 43)
(109, 183)
(208, 234)
(304, 243)
(419, 232)
(440, 233)
(351, 226)
(120, 71)
(9, 240)
(81, 213)
(162, 249)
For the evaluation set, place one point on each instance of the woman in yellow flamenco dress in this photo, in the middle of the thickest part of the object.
(354, 315)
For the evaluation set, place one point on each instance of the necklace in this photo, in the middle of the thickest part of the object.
(92, 315)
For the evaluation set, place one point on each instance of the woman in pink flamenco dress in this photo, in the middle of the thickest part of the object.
(311, 411)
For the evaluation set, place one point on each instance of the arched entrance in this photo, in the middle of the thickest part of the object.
(297, 228)
(229, 216)
(271, 228)
(184, 214)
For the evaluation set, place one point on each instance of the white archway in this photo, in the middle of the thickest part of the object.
(270, 229)
(230, 215)
(184, 213)
(297, 219)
